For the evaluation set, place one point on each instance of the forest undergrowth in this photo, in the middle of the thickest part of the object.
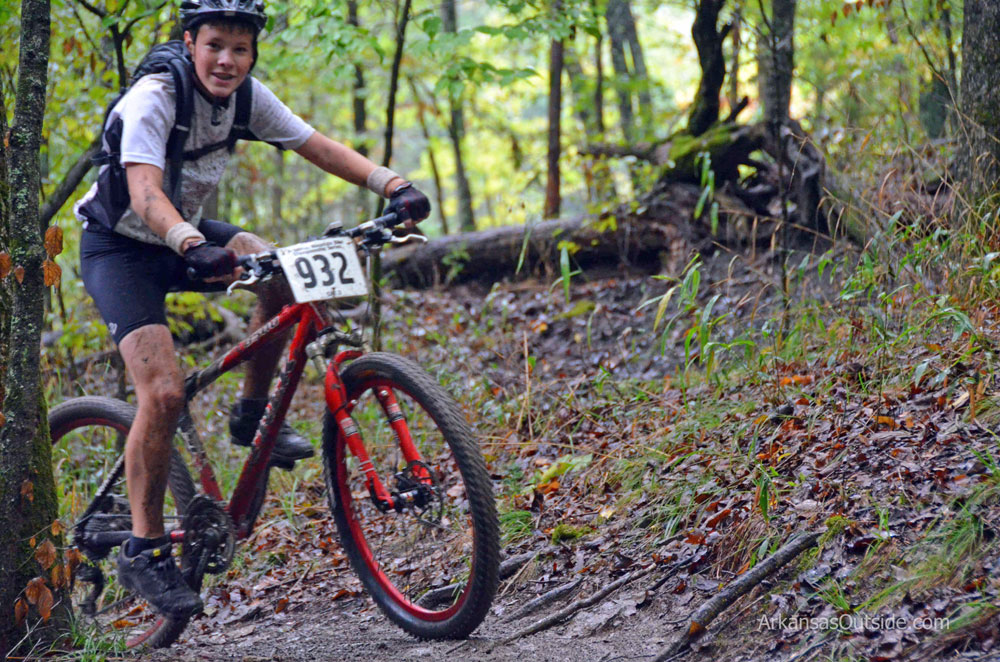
(692, 423)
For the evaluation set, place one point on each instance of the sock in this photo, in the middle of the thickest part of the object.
(135, 545)
(253, 407)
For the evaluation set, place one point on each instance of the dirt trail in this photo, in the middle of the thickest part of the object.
(542, 376)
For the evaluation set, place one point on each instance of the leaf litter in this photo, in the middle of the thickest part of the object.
(590, 419)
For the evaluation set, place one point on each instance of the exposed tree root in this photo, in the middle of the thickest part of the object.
(699, 621)
(545, 599)
(569, 610)
(507, 569)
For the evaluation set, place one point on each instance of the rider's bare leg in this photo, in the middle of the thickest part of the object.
(272, 296)
(148, 353)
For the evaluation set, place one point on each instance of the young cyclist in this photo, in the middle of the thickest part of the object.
(130, 259)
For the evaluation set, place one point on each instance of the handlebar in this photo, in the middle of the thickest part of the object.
(374, 234)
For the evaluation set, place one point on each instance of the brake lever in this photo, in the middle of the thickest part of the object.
(419, 238)
(243, 282)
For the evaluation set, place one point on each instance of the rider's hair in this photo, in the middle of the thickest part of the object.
(234, 23)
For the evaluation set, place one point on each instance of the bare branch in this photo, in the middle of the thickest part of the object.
(93, 9)
(73, 177)
(699, 621)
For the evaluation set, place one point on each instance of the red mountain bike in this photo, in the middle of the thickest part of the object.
(406, 481)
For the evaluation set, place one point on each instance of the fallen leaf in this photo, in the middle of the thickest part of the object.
(281, 606)
(57, 528)
(58, 576)
(712, 523)
(33, 590)
(20, 610)
(51, 273)
(4, 264)
(73, 559)
(3, 419)
(962, 399)
(19, 274)
(887, 421)
(28, 490)
(549, 488)
(695, 629)
(53, 241)
(45, 554)
(122, 623)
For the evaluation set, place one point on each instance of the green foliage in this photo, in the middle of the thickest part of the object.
(516, 525)
(563, 532)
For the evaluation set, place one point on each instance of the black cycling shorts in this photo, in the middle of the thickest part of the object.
(129, 279)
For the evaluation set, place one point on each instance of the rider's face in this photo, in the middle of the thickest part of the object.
(222, 58)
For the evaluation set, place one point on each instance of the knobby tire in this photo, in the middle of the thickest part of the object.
(99, 412)
(470, 528)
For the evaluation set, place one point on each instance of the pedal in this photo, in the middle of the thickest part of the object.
(91, 574)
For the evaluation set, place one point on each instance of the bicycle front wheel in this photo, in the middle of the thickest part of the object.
(430, 559)
(88, 437)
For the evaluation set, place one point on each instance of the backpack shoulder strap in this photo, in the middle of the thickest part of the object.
(241, 118)
(180, 70)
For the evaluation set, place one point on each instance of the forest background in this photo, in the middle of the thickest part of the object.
(887, 252)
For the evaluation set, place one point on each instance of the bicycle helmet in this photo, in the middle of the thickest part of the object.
(194, 12)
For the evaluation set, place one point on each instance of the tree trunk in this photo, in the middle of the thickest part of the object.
(979, 149)
(435, 172)
(359, 110)
(552, 199)
(357, 90)
(599, 82)
(456, 131)
(734, 69)
(779, 50)
(397, 59)
(27, 492)
(708, 40)
(640, 76)
(618, 35)
(4, 243)
(600, 185)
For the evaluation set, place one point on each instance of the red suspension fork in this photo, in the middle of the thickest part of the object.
(336, 400)
(390, 405)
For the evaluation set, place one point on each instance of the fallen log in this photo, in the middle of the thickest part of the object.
(491, 255)
(661, 225)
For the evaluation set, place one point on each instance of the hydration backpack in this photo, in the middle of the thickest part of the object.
(112, 199)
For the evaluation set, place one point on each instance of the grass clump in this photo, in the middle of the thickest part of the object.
(568, 533)
(516, 525)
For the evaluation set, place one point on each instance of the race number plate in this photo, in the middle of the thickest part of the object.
(323, 269)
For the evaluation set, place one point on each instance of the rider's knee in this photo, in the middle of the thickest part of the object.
(165, 395)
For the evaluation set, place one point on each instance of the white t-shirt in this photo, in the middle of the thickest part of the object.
(147, 112)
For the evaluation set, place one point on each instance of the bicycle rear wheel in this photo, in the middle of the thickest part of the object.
(88, 437)
(431, 562)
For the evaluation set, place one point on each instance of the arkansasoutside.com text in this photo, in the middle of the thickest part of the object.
(853, 622)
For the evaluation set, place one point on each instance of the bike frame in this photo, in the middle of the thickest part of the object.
(313, 337)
